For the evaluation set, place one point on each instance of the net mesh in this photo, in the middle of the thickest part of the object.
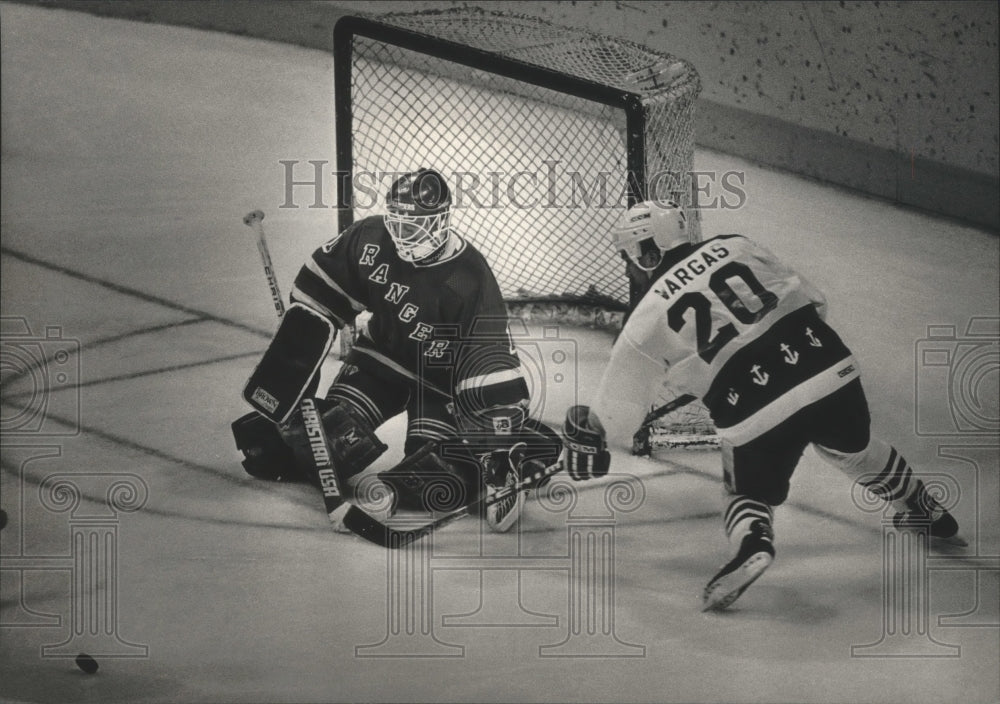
(538, 176)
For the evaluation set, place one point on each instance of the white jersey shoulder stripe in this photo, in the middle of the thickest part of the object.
(318, 271)
(299, 296)
(497, 377)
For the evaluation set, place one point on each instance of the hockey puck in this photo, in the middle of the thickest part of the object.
(86, 663)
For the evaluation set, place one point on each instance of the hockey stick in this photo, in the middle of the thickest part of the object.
(666, 408)
(319, 445)
(367, 527)
(254, 220)
(316, 434)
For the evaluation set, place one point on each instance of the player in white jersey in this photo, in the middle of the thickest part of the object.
(726, 321)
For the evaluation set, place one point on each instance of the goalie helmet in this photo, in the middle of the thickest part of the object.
(648, 228)
(418, 214)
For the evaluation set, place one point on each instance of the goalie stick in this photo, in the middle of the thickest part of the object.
(366, 526)
(316, 434)
(666, 408)
(254, 220)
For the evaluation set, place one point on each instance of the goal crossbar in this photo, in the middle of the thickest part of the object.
(349, 27)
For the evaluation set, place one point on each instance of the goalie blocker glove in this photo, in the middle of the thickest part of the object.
(587, 455)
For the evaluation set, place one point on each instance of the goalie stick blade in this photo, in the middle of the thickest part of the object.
(371, 529)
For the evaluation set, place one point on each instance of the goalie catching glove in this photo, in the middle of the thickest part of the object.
(587, 455)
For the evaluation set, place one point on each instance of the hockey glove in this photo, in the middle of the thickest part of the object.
(587, 453)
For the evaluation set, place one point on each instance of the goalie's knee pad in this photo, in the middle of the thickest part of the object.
(424, 481)
(266, 456)
(353, 443)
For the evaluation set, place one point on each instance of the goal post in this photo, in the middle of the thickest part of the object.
(544, 133)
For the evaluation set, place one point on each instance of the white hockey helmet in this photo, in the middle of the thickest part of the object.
(418, 214)
(650, 226)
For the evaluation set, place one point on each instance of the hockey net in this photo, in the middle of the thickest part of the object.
(544, 133)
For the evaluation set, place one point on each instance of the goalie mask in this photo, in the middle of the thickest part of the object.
(649, 229)
(418, 214)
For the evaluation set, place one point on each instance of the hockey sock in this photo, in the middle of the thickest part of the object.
(895, 483)
(740, 514)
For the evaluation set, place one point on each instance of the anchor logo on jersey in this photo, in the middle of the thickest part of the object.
(760, 378)
(733, 397)
(791, 356)
(813, 340)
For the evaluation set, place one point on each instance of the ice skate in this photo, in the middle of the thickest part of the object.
(923, 511)
(502, 469)
(755, 555)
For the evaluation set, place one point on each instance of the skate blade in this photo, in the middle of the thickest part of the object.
(727, 589)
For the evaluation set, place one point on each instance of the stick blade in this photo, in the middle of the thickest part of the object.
(374, 531)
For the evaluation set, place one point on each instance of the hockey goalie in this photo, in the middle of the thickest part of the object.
(436, 347)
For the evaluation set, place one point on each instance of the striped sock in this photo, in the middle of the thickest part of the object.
(896, 483)
(740, 514)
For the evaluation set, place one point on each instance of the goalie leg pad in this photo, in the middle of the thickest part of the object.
(266, 456)
(290, 366)
(425, 482)
(352, 443)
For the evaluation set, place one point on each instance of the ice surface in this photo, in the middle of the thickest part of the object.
(130, 154)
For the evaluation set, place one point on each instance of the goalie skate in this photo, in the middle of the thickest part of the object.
(756, 555)
(502, 469)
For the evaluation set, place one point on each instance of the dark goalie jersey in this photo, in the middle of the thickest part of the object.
(442, 325)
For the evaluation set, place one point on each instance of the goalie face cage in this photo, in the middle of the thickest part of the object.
(544, 133)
